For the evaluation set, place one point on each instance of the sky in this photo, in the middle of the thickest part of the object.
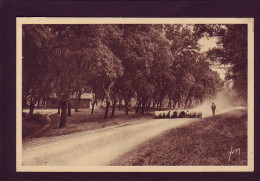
(206, 44)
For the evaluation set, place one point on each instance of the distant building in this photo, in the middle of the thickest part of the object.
(51, 101)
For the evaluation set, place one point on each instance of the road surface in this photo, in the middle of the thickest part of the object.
(98, 147)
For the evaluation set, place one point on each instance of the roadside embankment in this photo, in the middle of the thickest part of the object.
(219, 140)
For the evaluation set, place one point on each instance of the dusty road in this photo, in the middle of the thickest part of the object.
(95, 148)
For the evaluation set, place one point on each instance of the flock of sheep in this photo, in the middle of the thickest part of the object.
(177, 114)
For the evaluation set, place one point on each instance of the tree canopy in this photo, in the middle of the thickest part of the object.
(146, 64)
(232, 51)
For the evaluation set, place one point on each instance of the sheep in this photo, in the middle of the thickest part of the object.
(189, 114)
(173, 114)
(194, 114)
(178, 113)
(182, 114)
(162, 114)
(199, 115)
(157, 114)
(167, 114)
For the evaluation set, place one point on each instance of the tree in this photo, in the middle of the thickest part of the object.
(148, 63)
(185, 51)
(64, 65)
(232, 51)
(106, 67)
(97, 89)
(36, 76)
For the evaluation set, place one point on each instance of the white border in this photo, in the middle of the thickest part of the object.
(54, 20)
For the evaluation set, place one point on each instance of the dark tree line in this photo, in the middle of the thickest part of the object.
(232, 52)
(125, 63)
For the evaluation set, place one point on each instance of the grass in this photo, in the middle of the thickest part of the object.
(32, 125)
(83, 121)
(207, 142)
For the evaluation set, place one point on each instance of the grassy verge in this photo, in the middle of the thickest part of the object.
(207, 142)
(83, 121)
(32, 125)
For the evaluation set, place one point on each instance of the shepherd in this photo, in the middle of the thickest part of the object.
(213, 108)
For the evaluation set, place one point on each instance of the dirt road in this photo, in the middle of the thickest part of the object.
(95, 148)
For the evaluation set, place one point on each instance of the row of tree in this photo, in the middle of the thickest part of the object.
(145, 63)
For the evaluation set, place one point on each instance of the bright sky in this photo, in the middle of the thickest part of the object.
(207, 44)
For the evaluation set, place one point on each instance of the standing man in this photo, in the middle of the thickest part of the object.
(213, 108)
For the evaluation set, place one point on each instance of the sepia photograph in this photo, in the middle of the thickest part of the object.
(134, 94)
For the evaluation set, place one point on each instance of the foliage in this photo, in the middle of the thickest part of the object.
(36, 69)
(148, 63)
(232, 51)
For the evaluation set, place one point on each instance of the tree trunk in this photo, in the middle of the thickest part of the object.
(160, 106)
(101, 103)
(59, 103)
(43, 101)
(185, 105)
(93, 105)
(31, 108)
(38, 104)
(107, 109)
(143, 107)
(190, 101)
(170, 104)
(77, 103)
(107, 96)
(148, 106)
(69, 108)
(76, 106)
(175, 103)
(120, 104)
(24, 103)
(126, 107)
(63, 117)
(137, 106)
(198, 102)
(113, 109)
(186, 101)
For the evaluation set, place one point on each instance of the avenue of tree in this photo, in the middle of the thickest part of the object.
(122, 63)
